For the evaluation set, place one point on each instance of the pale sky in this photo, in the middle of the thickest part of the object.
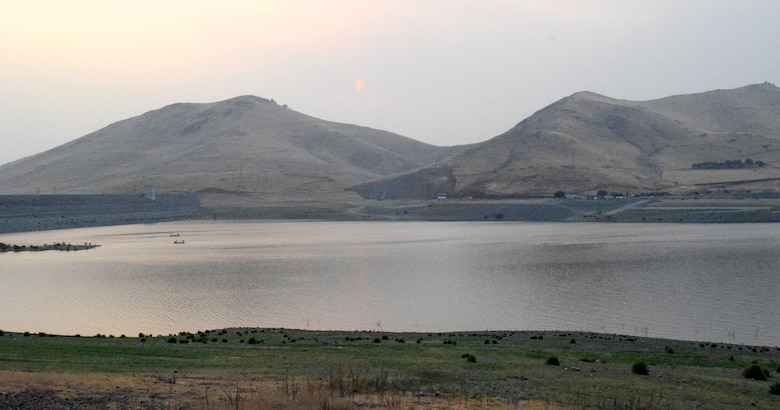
(445, 72)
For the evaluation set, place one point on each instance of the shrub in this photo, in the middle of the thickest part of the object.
(559, 194)
(252, 341)
(775, 389)
(640, 368)
(572, 341)
(755, 372)
(553, 361)
(669, 350)
(469, 357)
(172, 339)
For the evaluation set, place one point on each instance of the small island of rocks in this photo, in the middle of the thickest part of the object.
(58, 246)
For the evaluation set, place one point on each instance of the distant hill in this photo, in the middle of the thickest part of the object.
(243, 145)
(248, 150)
(588, 142)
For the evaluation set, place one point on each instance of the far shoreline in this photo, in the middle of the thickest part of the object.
(715, 208)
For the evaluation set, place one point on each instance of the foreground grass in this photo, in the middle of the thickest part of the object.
(280, 368)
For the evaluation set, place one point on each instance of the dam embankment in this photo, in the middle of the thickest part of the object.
(21, 213)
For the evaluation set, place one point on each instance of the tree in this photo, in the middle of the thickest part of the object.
(560, 194)
(602, 193)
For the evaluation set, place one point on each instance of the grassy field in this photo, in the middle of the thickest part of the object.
(281, 368)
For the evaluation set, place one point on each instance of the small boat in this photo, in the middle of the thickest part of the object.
(179, 242)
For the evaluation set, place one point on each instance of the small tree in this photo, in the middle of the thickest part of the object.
(560, 194)
(602, 193)
(553, 361)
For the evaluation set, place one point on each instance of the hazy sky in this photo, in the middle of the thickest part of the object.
(444, 72)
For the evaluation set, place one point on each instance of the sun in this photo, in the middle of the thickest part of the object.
(359, 84)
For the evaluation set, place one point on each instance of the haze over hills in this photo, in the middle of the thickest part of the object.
(245, 144)
(251, 149)
(587, 142)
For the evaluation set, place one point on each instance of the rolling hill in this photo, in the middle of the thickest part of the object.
(588, 142)
(248, 150)
(245, 145)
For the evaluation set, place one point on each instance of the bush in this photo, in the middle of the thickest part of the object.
(172, 339)
(775, 389)
(640, 368)
(553, 361)
(469, 357)
(559, 194)
(755, 372)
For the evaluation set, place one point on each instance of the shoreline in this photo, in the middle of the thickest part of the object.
(19, 217)
(279, 368)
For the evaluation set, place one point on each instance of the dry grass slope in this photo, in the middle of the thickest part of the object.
(588, 142)
(264, 151)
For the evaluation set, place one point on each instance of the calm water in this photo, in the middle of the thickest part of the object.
(697, 282)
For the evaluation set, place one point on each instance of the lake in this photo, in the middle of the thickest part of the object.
(706, 282)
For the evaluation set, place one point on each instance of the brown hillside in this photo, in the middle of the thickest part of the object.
(588, 142)
(245, 144)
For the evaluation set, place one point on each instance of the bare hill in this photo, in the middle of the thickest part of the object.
(247, 151)
(587, 142)
(245, 145)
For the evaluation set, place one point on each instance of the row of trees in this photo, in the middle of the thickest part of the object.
(733, 164)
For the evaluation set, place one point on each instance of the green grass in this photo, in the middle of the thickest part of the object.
(594, 371)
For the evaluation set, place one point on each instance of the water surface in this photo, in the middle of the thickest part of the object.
(695, 282)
